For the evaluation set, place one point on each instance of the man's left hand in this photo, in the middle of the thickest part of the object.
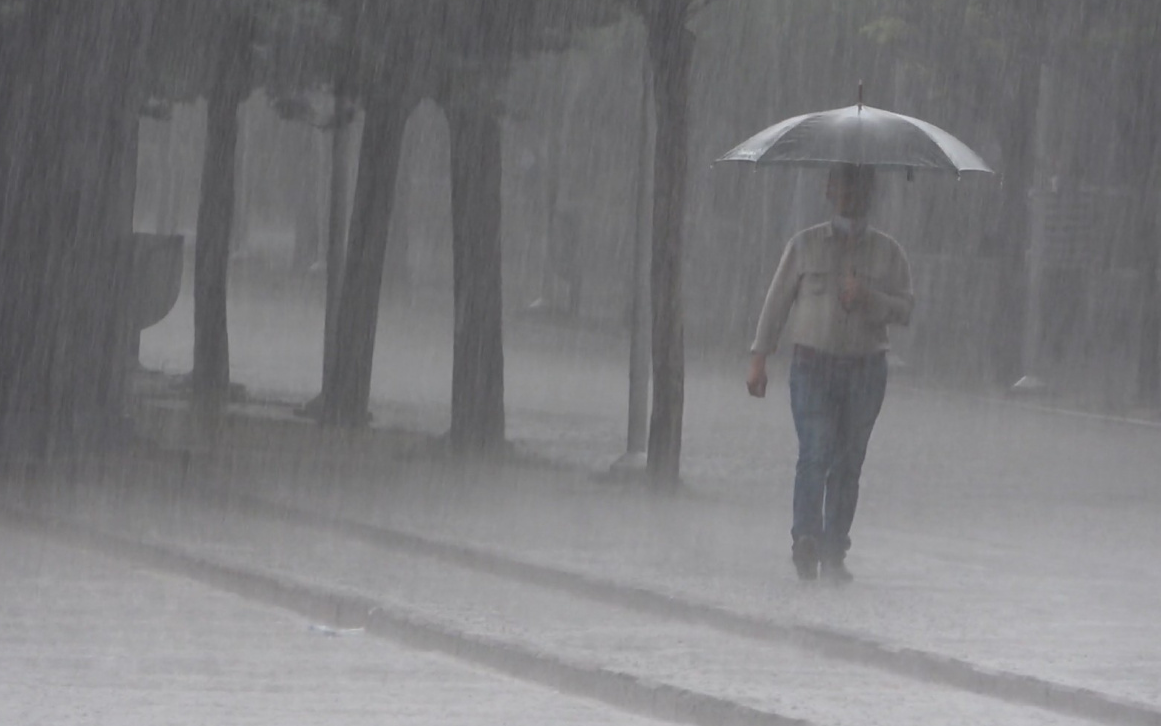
(851, 292)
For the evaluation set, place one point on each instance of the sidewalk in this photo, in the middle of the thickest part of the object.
(1011, 538)
(969, 581)
(89, 640)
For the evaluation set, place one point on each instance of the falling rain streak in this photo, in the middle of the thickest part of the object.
(297, 293)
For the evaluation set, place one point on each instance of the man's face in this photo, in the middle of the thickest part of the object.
(849, 197)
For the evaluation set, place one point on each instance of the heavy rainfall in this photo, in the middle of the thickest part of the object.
(524, 361)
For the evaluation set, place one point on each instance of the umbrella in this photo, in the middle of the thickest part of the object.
(858, 135)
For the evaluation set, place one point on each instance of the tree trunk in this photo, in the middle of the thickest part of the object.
(1144, 176)
(338, 210)
(211, 364)
(33, 159)
(1011, 239)
(347, 392)
(637, 438)
(338, 227)
(63, 248)
(1149, 364)
(477, 415)
(1142, 167)
(559, 111)
(91, 358)
(671, 51)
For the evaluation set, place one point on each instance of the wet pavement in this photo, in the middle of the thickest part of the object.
(1015, 545)
(86, 639)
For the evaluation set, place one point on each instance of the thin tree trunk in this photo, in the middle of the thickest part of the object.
(1149, 363)
(347, 392)
(338, 227)
(1036, 260)
(561, 100)
(477, 415)
(338, 212)
(211, 364)
(637, 438)
(1145, 173)
(671, 50)
(1011, 239)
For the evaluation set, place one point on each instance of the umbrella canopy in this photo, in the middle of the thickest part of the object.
(858, 135)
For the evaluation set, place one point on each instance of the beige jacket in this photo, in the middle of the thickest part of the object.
(805, 293)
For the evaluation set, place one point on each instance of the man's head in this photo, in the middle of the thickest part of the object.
(850, 188)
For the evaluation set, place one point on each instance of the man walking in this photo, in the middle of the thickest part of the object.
(838, 285)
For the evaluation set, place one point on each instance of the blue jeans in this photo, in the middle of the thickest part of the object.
(835, 401)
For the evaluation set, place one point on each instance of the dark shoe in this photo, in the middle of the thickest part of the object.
(805, 557)
(835, 571)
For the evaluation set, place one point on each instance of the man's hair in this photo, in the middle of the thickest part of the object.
(860, 177)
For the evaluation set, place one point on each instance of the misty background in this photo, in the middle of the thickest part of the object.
(522, 144)
(985, 74)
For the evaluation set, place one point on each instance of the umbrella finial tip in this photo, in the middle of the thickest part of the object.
(860, 93)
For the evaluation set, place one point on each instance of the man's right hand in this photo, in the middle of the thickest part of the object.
(756, 379)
